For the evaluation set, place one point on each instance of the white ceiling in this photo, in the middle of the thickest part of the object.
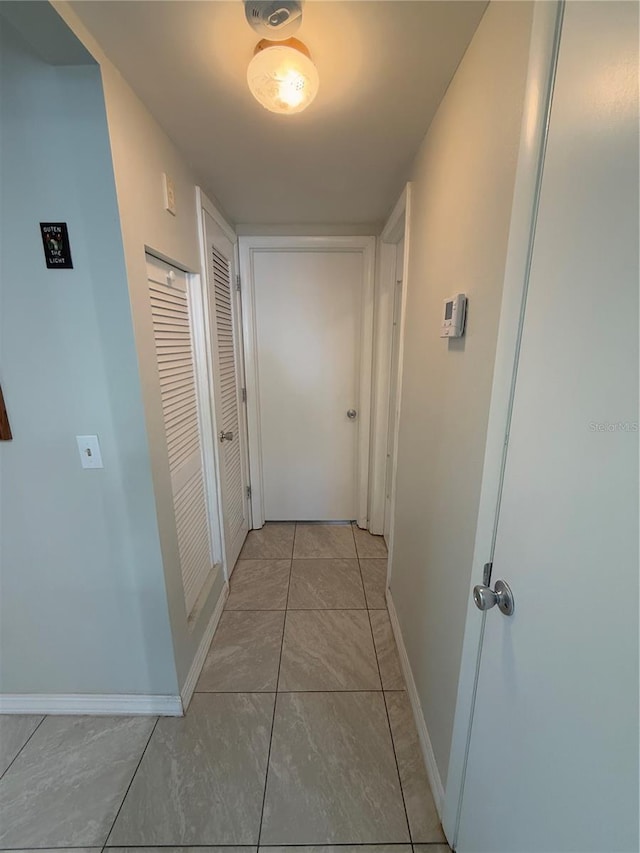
(384, 67)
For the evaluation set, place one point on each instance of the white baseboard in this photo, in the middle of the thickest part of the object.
(433, 774)
(198, 661)
(117, 704)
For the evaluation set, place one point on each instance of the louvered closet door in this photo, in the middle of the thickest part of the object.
(172, 328)
(230, 415)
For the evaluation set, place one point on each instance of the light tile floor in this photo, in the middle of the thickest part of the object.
(299, 737)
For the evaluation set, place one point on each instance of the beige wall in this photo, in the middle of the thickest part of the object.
(141, 153)
(463, 180)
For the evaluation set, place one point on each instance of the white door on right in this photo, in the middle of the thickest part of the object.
(553, 759)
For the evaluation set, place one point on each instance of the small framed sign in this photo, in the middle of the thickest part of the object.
(55, 239)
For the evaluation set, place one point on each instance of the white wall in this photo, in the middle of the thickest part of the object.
(463, 180)
(298, 230)
(83, 602)
(141, 153)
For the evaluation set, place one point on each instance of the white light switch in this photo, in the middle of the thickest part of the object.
(169, 194)
(89, 449)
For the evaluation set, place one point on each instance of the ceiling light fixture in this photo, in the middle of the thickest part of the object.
(282, 76)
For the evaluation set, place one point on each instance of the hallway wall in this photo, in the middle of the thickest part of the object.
(82, 605)
(141, 153)
(463, 180)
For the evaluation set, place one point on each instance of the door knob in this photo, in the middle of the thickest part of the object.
(352, 414)
(485, 598)
(225, 436)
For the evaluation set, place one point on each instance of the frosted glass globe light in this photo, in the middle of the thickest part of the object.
(282, 77)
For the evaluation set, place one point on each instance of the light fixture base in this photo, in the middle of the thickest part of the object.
(296, 44)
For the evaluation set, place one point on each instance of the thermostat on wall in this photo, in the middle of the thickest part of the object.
(453, 316)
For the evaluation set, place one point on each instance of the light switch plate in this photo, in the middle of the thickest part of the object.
(89, 449)
(169, 194)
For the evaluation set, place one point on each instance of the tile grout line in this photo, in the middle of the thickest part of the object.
(21, 750)
(230, 846)
(386, 710)
(395, 755)
(133, 776)
(298, 609)
(275, 700)
(135, 846)
(285, 693)
(314, 559)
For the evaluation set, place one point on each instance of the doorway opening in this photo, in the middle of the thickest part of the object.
(308, 337)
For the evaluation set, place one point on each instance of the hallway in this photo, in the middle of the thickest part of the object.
(299, 733)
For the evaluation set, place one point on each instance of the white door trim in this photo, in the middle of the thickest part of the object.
(205, 204)
(248, 246)
(397, 227)
(189, 686)
(395, 230)
(537, 106)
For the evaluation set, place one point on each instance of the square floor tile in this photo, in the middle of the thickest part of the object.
(259, 585)
(374, 577)
(66, 786)
(15, 731)
(201, 780)
(369, 546)
(328, 650)
(332, 773)
(245, 653)
(326, 584)
(430, 848)
(421, 810)
(324, 540)
(386, 650)
(274, 541)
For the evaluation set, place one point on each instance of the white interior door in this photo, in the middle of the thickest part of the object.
(393, 391)
(225, 328)
(553, 758)
(176, 314)
(309, 313)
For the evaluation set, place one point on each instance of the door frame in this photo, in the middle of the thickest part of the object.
(248, 246)
(543, 53)
(397, 228)
(210, 445)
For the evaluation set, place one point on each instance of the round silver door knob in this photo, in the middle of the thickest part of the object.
(352, 414)
(485, 598)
